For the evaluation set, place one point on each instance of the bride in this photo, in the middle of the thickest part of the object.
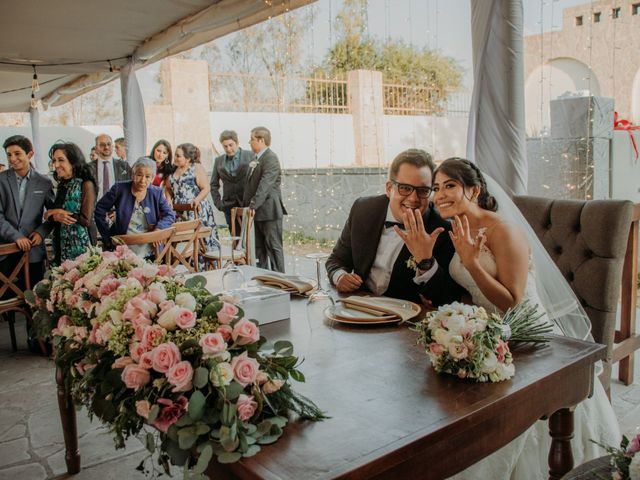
(497, 260)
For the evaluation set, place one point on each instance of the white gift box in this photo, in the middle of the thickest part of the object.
(582, 117)
(263, 303)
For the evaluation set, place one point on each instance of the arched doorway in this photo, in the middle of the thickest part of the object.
(549, 81)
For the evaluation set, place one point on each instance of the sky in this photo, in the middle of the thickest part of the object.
(442, 25)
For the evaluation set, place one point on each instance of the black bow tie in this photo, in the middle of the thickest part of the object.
(388, 224)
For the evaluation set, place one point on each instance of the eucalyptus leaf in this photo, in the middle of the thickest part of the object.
(186, 441)
(178, 455)
(150, 442)
(196, 404)
(297, 375)
(203, 459)
(184, 421)
(267, 439)
(283, 347)
(197, 281)
(153, 414)
(200, 377)
(233, 390)
(251, 451)
(279, 421)
(229, 457)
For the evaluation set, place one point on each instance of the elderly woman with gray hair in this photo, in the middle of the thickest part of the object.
(140, 207)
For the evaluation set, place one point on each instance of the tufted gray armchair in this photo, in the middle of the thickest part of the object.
(588, 242)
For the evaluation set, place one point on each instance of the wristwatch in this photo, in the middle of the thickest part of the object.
(425, 264)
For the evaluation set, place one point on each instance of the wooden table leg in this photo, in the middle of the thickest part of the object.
(69, 427)
(560, 453)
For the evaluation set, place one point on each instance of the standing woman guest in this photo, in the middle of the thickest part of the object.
(161, 153)
(140, 207)
(72, 214)
(189, 184)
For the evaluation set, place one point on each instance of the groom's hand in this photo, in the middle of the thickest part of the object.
(348, 282)
(418, 241)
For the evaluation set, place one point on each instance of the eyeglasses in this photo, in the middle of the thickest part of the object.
(405, 190)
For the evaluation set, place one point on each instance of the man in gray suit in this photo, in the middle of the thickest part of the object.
(262, 193)
(108, 170)
(24, 194)
(230, 169)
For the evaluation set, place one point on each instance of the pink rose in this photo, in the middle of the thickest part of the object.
(501, 351)
(225, 331)
(165, 271)
(634, 445)
(245, 332)
(157, 293)
(166, 305)
(185, 318)
(136, 349)
(152, 335)
(180, 376)
(122, 362)
(165, 356)
(142, 408)
(170, 413)
(246, 407)
(103, 333)
(245, 369)
(272, 386)
(135, 376)
(107, 286)
(92, 334)
(137, 274)
(212, 344)
(435, 348)
(458, 351)
(227, 313)
(146, 360)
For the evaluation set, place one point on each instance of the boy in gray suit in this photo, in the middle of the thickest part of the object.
(24, 195)
(262, 193)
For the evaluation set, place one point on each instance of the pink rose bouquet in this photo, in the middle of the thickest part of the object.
(144, 349)
(625, 460)
(464, 340)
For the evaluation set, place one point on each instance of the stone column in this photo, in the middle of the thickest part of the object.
(185, 115)
(366, 103)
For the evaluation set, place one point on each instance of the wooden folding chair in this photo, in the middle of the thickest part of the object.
(181, 209)
(184, 245)
(163, 237)
(241, 249)
(8, 284)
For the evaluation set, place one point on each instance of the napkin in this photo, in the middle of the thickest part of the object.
(382, 306)
(290, 283)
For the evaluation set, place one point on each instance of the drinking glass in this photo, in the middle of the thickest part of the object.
(320, 299)
(232, 277)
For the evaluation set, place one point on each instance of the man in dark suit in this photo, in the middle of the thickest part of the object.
(24, 195)
(262, 193)
(231, 169)
(108, 170)
(392, 244)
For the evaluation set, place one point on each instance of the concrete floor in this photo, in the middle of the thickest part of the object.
(31, 443)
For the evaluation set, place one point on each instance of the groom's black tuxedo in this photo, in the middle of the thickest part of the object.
(356, 250)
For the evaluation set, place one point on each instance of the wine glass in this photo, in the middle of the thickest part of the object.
(232, 277)
(320, 299)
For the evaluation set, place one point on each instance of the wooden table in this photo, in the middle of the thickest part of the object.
(393, 417)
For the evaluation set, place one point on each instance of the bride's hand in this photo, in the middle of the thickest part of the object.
(467, 248)
(419, 243)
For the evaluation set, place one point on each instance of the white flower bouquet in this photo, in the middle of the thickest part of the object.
(466, 341)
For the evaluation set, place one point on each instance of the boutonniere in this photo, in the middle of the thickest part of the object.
(253, 164)
(411, 263)
(146, 210)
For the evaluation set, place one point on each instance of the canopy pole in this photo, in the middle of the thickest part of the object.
(134, 123)
(39, 158)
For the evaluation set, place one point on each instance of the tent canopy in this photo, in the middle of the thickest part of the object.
(70, 42)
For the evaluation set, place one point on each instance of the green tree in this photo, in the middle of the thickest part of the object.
(423, 77)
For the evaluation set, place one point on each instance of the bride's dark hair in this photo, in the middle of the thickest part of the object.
(468, 175)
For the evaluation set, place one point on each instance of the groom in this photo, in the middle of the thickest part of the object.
(391, 244)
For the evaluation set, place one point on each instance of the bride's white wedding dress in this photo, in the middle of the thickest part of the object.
(526, 457)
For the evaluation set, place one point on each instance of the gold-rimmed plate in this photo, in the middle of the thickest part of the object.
(342, 314)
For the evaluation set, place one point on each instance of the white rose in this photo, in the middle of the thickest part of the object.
(454, 323)
(634, 468)
(149, 270)
(221, 374)
(489, 363)
(186, 300)
(168, 319)
(441, 336)
(115, 316)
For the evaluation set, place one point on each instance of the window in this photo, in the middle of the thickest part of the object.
(578, 21)
(596, 17)
(635, 9)
(615, 12)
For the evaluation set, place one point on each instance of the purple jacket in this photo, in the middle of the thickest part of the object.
(157, 210)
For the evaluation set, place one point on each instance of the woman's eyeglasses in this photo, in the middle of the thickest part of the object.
(405, 190)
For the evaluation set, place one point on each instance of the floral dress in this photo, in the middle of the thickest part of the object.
(185, 189)
(139, 224)
(71, 240)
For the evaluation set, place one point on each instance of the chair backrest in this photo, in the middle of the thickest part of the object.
(246, 222)
(181, 208)
(9, 283)
(161, 237)
(587, 240)
(184, 244)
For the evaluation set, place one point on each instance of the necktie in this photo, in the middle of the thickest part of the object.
(105, 177)
(22, 192)
(388, 224)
